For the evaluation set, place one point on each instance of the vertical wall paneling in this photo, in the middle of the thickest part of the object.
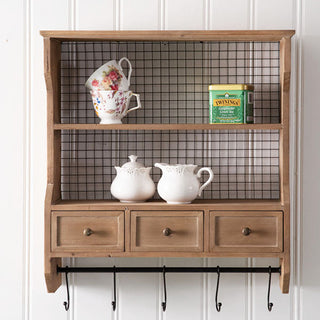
(232, 291)
(139, 15)
(281, 308)
(310, 236)
(95, 14)
(94, 292)
(296, 188)
(12, 156)
(26, 158)
(273, 14)
(184, 14)
(185, 291)
(44, 15)
(229, 15)
(138, 294)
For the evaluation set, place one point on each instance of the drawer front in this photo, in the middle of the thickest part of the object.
(246, 231)
(167, 231)
(84, 230)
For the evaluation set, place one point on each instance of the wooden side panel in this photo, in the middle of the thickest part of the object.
(52, 77)
(285, 74)
(53, 279)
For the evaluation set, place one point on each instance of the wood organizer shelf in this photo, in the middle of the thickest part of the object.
(246, 211)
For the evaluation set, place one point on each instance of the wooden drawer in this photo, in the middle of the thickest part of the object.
(167, 231)
(246, 231)
(87, 230)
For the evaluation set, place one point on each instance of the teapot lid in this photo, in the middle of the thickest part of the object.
(132, 164)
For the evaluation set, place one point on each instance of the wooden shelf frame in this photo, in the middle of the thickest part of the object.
(167, 127)
(177, 35)
(52, 48)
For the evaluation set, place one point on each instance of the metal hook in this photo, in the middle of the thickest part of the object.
(269, 304)
(114, 302)
(67, 303)
(218, 304)
(164, 304)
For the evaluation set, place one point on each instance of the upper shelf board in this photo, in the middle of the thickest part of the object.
(173, 126)
(177, 35)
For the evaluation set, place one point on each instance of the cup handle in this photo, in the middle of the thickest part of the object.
(208, 181)
(130, 67)
(139, 106)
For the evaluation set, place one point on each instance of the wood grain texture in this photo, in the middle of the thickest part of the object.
(162, 254)
(52, 76)
(285, 75)
(227, 231)
(53, 279)
(138, 231)
(223, 35)
(220, 126)
(185, 231)
(161, 205)
(68, 231)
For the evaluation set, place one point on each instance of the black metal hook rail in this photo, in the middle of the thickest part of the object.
(165, 270)
(168, 269)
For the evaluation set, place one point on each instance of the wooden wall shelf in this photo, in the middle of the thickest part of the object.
(171, 126)
(205, 228)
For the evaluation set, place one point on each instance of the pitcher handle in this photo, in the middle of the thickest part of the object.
(130, 68)
(208, 181)
(139, 106)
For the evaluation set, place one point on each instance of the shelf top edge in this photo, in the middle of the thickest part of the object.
(264, 205)
(168, 35)
(157, 127)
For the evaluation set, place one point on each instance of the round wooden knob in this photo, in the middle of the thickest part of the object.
(166, 232)
(87, 232)
(246, 231)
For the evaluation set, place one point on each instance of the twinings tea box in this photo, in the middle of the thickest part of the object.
(231, 103)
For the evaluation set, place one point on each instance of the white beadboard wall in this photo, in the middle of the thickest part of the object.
(23, 169)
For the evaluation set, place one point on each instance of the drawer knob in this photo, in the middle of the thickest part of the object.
(166, 232)
(87, 232)
(246, 231)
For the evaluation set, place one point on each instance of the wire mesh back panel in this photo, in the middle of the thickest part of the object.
(245, 162)
(172, 77)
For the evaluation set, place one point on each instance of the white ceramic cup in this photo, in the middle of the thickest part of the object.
(111, 106)
(110, 76)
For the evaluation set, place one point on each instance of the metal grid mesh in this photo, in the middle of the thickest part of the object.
(172, 77)
(245, 162)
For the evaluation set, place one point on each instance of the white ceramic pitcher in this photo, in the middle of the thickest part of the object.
(179, 184)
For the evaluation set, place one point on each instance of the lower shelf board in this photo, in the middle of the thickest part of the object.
(158, 204)
(164, 255)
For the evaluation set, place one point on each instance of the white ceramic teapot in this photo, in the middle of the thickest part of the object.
(179, 184)
(133, 182)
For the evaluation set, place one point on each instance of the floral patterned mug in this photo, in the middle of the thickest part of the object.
(111, 106)
(110, 76)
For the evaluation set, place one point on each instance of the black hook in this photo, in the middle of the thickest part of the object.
(67, 303)
(269, 304)
(218, 305)
(164, 304)
(114, 302)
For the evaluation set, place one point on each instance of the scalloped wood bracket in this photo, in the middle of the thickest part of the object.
(53, 278)
(285, 274)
